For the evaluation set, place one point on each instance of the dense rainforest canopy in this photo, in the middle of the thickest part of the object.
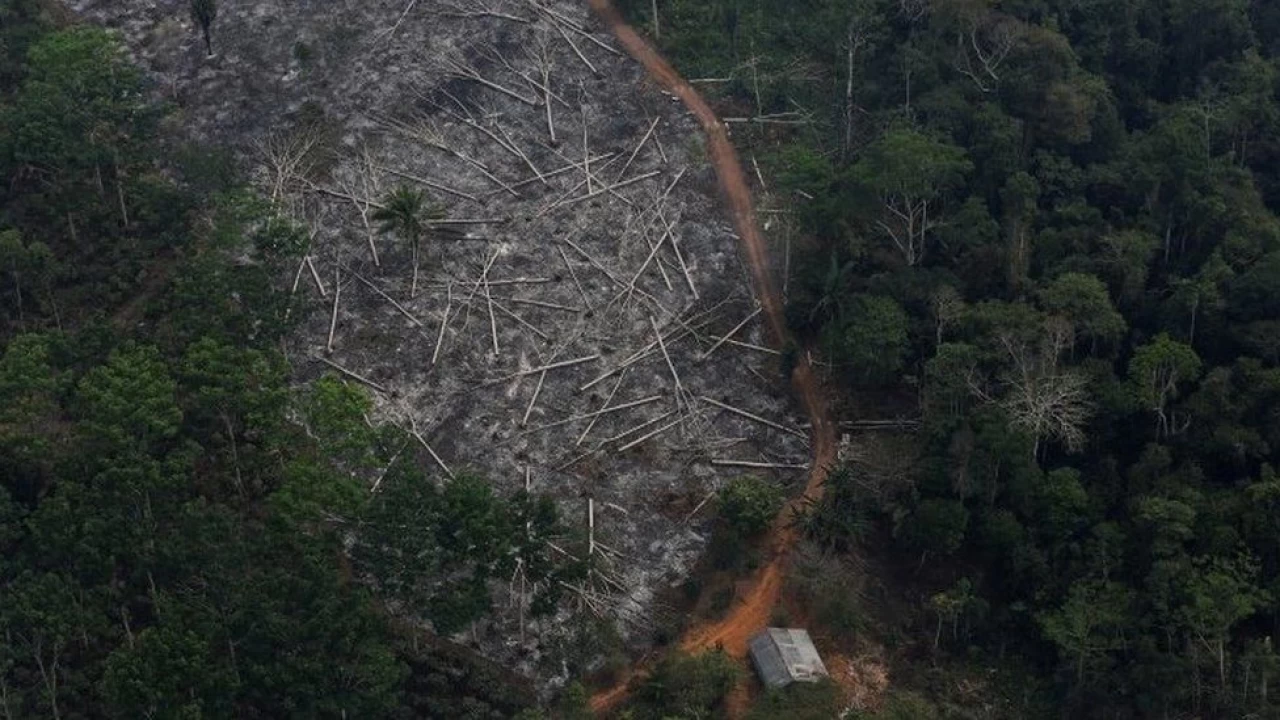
(1048, 229)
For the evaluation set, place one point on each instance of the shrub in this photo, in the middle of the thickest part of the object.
(748, 504)
(686, 686)
(799, 701)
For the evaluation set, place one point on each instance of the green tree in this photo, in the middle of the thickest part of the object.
(1083, 300)
(869, 337)
(437, 550)
(958, 602)
(130, 401)
(938, 526)
(1217, 594)
(30, 268)
(1090, 623)
(335, 412)
(79, 115)
(691, 686)
(909, 174)
(1156, 372)
(404, 211)
(748, 504)
(167, 672)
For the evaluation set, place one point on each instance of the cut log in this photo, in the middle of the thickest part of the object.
(751, 416)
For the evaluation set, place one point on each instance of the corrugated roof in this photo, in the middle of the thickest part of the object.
(786, 655)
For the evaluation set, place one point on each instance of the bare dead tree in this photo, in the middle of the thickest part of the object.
(477, 9)
(1042, 398)
(858, 34)
(423, 129)
(544, 59)
(982, 47)
(362, 187)
(912, 223)
(289, 156)
(460, 68)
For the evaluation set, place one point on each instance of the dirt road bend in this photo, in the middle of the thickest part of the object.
(764, 588)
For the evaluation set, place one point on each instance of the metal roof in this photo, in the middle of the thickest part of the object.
(786, 655)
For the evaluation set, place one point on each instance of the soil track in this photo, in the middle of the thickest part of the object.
(764, 588)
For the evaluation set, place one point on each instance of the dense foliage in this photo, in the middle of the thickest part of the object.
(1055, 224)
(176, 519)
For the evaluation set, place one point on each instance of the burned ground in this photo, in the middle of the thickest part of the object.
(580, 225)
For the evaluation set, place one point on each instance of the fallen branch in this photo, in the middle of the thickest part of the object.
(297, 277)
(553, 173)
(431, 184)
(610, 188)
(354, 376)
(748, 346)
(486, 13)
(602, 411)
(764, 465)
(643, 140)
(552, 366)
(638, 428)
(632, 359)
(607, 400)
(444, 322)
(466, 71)
(699, 506)
(751, 416)
(675, 246)
(574, 26)
(416, 322)
(391, 31)
(387, 469)
(333, 318)
(493, 323)
(573, 274)
(729, 334)
(651, 434)
(520, 320)
(430, 451)
(576, 51)
(543, 304)
(316, 276)
(533, 400)
(670, 365)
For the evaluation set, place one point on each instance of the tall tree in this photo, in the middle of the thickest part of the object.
(1090, 623)
(1156, 372)
(1083, 301)
(203, 13)
(406, 213)
(909, 174)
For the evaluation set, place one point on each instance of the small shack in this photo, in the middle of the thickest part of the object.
(786, 655)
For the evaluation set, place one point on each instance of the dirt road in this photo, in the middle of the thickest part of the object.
(756, 606)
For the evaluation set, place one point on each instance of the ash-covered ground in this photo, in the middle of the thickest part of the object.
(580, 223)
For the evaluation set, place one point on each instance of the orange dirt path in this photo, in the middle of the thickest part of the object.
(764, 588)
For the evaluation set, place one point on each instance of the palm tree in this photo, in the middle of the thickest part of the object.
(405, 213)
